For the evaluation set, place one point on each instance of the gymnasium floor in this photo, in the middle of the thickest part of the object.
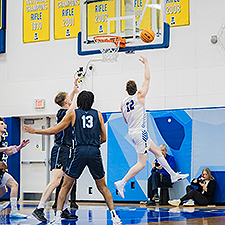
(97, 214)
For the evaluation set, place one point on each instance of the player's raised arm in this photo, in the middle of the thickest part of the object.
(75, 88)
(145, 86)
(66, 121)
(74, 102)
(103, 131)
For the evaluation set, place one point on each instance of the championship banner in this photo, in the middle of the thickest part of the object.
(177, 13)
(36, 21)
(139, 9)
(66, 19)
(98, 15)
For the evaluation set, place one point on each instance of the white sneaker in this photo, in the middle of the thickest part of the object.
(116, 220)
(190, 202)
(178, 177)
(16, 214)
(120, 188)
(175, 202)
(3, 205)
(56, 220)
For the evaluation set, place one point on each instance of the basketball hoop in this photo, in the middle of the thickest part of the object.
(109, 46)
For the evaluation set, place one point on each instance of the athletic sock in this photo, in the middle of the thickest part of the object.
(65, 206)
(165, 165)
(113, 213)
(13, 201)
(41, 205)
(58, 213)
(123, 182)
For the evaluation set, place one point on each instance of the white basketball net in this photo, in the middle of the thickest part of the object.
(109, 50)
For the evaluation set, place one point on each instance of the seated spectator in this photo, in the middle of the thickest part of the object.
(203, 195)
(159, 177)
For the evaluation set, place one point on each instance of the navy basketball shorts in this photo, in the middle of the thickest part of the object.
(59, 156)
(89, 156)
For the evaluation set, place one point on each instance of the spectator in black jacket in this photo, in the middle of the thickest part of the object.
(203, 195)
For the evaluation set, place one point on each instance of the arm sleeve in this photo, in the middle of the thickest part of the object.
(211, 187)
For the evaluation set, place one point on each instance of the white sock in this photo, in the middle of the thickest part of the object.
(13, 201)
(65, 206)
(58, 213)
(41, 205)
(123, 182)
(113, 213)
(166, 166)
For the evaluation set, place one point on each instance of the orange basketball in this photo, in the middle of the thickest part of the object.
(147, 35)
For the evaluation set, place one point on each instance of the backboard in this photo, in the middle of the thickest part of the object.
(125, 18)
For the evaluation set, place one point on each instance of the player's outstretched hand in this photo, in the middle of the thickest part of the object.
(14, 149)
(28, 129)
(76, 86)
(24, 143)
(143, 60)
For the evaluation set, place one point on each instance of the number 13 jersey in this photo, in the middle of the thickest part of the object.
(134, 113)
(87, 128)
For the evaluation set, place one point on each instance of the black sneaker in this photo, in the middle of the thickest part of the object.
(39, 214)
(54, 206)
(67, 215)
(156, 197)
(150, 203)
(73, 205)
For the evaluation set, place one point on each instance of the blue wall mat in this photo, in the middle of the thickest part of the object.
(220, 186)
(174, 128)
(169, 128)
(13, 161)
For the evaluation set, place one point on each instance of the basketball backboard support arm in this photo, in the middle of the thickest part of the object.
(164, 44)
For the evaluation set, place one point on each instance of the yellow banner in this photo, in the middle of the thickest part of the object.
(177, 12)
(146, 20)
(66, 19)
(35, 21)
(98, 14)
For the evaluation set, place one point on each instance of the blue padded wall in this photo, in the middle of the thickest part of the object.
(195, 138)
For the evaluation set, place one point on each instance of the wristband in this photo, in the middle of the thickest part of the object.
(14, 151)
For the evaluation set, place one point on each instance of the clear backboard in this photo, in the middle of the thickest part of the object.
(124, 18)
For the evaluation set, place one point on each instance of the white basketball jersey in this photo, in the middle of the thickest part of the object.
(134, 112)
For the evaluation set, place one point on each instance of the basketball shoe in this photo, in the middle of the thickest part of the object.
(16, 214)
(116, 220)
(175, 202)
(178, 177)
(3, 206)
(119, 185)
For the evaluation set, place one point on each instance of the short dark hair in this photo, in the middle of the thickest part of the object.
(1, 119)
(60, 97)
(85, 100)
(131, 87)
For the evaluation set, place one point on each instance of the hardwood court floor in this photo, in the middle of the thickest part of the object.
(98, 214)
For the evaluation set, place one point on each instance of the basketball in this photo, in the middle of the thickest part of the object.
(147, 35)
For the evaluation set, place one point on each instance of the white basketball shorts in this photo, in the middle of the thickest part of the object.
(5, 177)
(141, 140)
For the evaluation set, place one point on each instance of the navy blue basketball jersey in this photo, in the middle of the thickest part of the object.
(2, 144)
(87, 128)
(64, 137)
